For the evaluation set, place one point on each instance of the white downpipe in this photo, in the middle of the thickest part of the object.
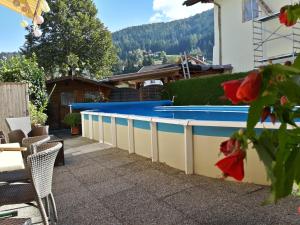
(113, 132)
(131, 136)
(188, 153)
(91, 127)
(154, 142)
(101, 130)
(82, 125)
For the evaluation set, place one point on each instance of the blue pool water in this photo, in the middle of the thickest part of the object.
(165, 109)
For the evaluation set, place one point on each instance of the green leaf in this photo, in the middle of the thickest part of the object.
(266, 149)
(291, 90)
(297, 62)
(255, 111)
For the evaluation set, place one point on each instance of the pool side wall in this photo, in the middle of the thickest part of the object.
(190, 146)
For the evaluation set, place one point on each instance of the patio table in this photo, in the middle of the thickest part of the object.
(10, 157)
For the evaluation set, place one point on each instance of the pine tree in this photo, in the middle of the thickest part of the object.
(72, 29)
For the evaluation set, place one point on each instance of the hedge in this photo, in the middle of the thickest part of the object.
(200, 91)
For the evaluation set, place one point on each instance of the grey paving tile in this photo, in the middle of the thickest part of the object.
(74, 162)
(93, 174)
(69, 200)
(85, 213)
(122, 201)
(195, 200)
(233, 213)
(158, 183)
(131, 168)
(188, 222)
(90, 220)
(66, 184)
(286, 210)
(110, 187)
(151, 213)
(115, 162)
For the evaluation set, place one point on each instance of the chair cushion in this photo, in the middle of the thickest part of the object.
(19, 123)
(16, 136)
(16, 193)
(14, 176)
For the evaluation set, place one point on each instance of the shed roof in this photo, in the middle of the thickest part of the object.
(193, 2)
(79, 78)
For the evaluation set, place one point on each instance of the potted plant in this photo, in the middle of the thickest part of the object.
(38, 120)
(73, 120)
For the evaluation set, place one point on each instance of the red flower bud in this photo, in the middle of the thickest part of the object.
(273, 118)
(233, 165)
(227, 147)
(299, 210)
(284, 17)
(283, 100)
(265, 114)
(230, 89)
(250, 87)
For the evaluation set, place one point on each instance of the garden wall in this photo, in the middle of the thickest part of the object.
(200, 91)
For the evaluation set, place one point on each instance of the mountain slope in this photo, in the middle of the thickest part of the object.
(172, 37)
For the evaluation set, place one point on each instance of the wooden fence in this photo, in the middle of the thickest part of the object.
(13, 102)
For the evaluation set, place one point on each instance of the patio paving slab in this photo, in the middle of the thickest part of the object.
(100, 185)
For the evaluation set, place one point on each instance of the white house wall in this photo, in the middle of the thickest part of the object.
(237, 43)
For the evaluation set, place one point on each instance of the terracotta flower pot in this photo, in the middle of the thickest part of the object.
(40, 130)
(75, 130)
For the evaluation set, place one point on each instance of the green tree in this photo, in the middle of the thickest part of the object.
(165, 60)
(148, 60)
(21, 69)
(72, 32)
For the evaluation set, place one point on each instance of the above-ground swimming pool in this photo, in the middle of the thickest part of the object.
(186, 138)
(164, 109)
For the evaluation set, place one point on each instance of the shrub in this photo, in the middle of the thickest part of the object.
(37, 116)
(21, 69)
(200, 91)
(73, 119)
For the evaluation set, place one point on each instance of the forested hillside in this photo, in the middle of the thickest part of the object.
(6, 55)
(174, 37)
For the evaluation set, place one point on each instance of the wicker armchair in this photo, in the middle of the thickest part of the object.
(32, 144)
(40, 166)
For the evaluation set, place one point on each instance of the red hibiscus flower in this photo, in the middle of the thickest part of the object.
(246, 90)
(250, 88)
(285, 19)
(227, 147)
(233, 165)
(230, 89)
(283, 100)
(265, 114)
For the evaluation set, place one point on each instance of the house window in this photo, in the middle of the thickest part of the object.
(67, 98)
(250, 10)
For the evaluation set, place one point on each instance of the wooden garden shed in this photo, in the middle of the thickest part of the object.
(70, 89)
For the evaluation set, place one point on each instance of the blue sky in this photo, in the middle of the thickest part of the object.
(115, 14)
